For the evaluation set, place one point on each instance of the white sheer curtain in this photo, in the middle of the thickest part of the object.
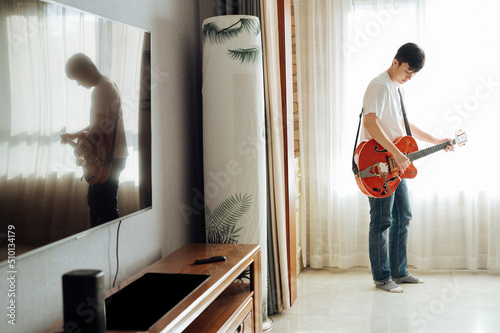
(341, 46)
(40, 187)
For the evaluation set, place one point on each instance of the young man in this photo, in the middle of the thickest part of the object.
(390, 217)
(105, 107)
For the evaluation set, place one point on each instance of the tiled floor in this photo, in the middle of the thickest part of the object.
(346, 301)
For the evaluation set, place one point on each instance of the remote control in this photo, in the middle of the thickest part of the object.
(208, 260)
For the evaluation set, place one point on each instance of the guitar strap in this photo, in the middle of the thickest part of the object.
(407, 125)
(354, 166)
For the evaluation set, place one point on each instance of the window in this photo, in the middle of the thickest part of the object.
(39, 39)
(459, 87)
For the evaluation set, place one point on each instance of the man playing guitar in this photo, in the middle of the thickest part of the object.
(103, 140)
(390, 216)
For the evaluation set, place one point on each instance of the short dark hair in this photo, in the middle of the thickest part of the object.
(79, 62)
(412, 54)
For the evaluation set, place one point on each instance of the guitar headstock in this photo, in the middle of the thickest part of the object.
(460, 138)
(64, 139)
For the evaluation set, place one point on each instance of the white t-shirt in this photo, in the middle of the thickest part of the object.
(106, 101)
(382, 98)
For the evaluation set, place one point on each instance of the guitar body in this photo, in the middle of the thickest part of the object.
(91, 152)
(379, 174)
(92, 156)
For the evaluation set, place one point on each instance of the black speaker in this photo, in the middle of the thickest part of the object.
(83, 301)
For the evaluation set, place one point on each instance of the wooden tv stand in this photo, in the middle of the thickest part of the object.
(218, 305)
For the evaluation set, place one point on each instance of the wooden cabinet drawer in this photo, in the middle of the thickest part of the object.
(247, 325)
(227, 313)
(244, 320)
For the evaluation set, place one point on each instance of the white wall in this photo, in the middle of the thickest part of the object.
(177, 162)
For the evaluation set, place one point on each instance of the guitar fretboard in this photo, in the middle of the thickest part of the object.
(427, 151)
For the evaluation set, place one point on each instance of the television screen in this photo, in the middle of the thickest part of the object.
(75, 123)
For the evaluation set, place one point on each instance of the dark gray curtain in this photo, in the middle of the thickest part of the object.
(209, 8)
(233, 7)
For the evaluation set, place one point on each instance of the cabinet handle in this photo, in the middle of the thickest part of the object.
(239, 329)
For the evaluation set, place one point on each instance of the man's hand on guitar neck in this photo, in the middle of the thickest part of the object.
(75, 135)
(451, 147)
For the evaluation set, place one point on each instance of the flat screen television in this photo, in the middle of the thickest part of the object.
(43, 196)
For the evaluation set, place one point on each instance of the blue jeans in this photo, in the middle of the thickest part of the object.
(103, 198)
(388, 238)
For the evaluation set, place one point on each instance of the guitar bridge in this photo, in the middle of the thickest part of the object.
(379, 169)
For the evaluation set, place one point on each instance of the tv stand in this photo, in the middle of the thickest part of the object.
(218, 305)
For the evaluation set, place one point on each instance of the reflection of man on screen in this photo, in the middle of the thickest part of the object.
(105, 107)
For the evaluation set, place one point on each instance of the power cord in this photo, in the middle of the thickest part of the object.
(117, 256)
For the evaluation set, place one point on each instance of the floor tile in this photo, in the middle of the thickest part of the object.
(346, 301)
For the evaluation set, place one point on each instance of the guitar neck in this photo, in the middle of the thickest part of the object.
(70, 142)
(431, 150)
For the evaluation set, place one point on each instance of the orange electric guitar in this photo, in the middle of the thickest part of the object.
(91, 152)
(379, 174)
